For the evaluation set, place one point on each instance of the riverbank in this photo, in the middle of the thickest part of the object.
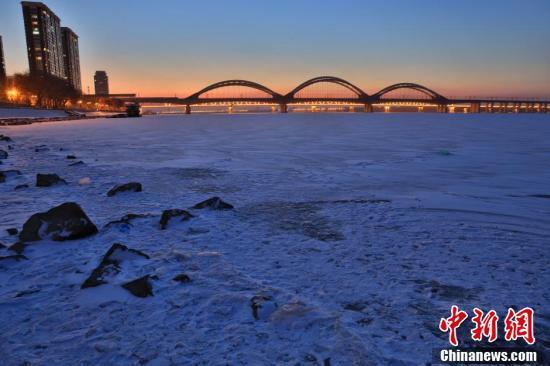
(25, 116)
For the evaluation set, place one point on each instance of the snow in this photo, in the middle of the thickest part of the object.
(362, 229)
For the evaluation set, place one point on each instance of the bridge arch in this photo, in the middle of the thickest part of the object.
(226, 83)
(417, 87)
(328, 79)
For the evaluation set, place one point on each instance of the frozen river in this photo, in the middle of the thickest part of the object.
(363, 229)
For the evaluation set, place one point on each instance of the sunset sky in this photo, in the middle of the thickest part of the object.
(168, 47)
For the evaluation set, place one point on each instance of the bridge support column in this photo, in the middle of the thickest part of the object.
(475, 107)
(283, 108)
(368, 108)
(442, 108)
(187, 109)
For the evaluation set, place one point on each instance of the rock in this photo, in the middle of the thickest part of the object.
(16, 258)
(80, 162)
(140, 287)
(21, 186)
(176, 212)
(18, 247)
(126, 219)
(214, 203)
(110, 264)
(71, 157)
(183, 278)
(64, 222)
(8, 173)
(41, 148)
(47, 180)
(5, 138)
(132, 186)
(262, 306)
(2, 246)
(3, 154)
(12, 231)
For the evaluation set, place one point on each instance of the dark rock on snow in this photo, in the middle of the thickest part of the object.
(176, 212)
(5, 138)
(47, 180)
(21, 186)
(16, 258)
(140, 287)
(71, 157)
(3, 154)
(110, 264)
(214, 203)
(126, 219)
(18, 247)
(12, 231)
(262, 306)
(64, 222)
(132, 186)
(12, 172)
(183, 278)
(41, 148)
(8, 173)
(80, 162)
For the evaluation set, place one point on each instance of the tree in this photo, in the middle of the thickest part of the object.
(50, 91)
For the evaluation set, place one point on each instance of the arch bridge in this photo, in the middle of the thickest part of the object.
(319, 90)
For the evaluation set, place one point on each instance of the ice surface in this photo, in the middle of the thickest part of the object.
(362, 228)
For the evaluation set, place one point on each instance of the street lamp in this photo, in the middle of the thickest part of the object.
(12, 94)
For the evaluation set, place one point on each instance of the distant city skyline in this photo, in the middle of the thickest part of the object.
(489, 48)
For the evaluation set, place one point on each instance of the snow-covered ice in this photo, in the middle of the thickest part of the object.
(356, 232)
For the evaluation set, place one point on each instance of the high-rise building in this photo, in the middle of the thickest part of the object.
(44, 40)
(71, 57)
(101, 83)
(2, 66)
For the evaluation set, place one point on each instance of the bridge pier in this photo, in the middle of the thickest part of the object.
(283, 108)
(475, 107)
(368, 108)
(187, 109)
(442, 108)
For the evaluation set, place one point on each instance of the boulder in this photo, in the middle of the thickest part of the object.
(140, 287)
(127, 219)
(64, 222)
(76, 163)
(12, 231)
(17, 258)
(183, 278)
(110, 264)
(18, 247)
(5, 174)
(41, 148)
(47, 180)
(71, 157)
(262, 306)
(3, 154)
(169, 214)
(214, 203)
(132, 187)
(21, 186)
(5, 138)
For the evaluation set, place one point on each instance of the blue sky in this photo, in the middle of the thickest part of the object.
(168, 47)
